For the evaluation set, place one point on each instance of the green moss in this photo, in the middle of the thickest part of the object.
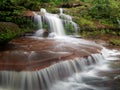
(8, 31)
(115, 42)
(85, 24)
(91, 34)
(106, 22)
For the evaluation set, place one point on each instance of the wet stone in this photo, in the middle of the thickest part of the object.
(38, 54)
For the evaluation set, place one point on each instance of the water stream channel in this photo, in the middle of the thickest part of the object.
(58, 61)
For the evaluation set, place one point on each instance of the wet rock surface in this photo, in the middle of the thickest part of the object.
(30, 54)
(110, 79)
(33, 54)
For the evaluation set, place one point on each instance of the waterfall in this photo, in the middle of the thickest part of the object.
(50, 22)
(69, 25)
(118, 22)
(38, 20)
(45, 78)
(61, 11)
(60, 74)
(81, 81)
(56, 25)
(64, 75)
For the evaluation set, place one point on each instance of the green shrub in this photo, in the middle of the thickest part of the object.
(8, 31)
(85, 24)
(115, 42)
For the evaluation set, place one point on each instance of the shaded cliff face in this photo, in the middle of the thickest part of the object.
(33, 54)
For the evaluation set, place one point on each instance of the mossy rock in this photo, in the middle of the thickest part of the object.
(115, 42)
(8, 31)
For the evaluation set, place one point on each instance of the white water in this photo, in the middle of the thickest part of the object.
(118, 21)
(80, 81)
(38, 20)
(50, 22)
(54, 23)
(65, 75)
(67, 21)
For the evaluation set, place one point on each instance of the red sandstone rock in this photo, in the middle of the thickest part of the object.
(31, 54)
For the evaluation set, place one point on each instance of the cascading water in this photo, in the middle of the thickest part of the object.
(74, 73)
(57, 24)
(38, 20)
(88, 78)
(118, 22)
(65, 75)
(49, 21)
(69, 25)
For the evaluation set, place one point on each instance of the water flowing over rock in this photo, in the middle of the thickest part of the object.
(60, 75)
(69, 25)
(118, 22)
(43, 79)
(58, 24)
(43, 53)
(59, 63)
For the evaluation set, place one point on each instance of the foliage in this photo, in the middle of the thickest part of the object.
(98, 33)
(69, 28)
(105, 12)
(8, 31)
(85, 24)
(95, 34)
(115, 42)
(105, 9)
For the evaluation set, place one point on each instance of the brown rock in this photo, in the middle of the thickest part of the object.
(31, 54)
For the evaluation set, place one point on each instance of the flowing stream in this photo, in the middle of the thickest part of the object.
(97, 68)
(89, 73)
(90, 78)
(56, 25)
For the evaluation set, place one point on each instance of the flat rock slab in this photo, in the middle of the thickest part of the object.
(33, 54)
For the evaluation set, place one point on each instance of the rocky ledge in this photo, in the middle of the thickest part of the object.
(33, 54)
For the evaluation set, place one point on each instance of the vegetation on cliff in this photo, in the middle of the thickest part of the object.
(8, 31)
(85, 12)
(93, 16)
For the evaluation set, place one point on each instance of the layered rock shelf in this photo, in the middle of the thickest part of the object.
(29, 54)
